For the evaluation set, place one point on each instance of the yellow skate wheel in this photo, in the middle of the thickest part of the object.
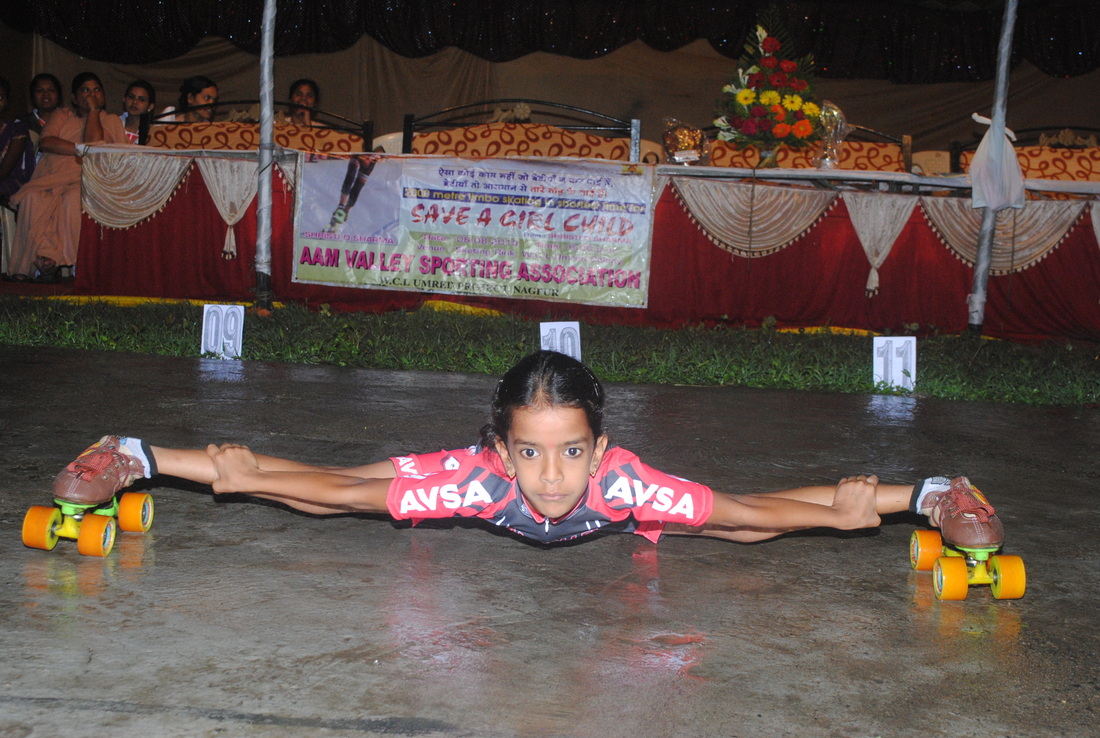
(1009, 578)
(40, 527)
(97, 535)
(949, 578)
(135, 512)
(925, 546)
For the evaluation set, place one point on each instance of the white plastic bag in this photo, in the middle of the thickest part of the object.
(998, 181)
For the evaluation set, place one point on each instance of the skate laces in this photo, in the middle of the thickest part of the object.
(968, 501)
(97, 462)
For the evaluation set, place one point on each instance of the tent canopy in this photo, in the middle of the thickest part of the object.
(906, 41)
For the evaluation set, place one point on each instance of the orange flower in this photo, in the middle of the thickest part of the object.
(802, 129)
(781, 130)
(778, 113)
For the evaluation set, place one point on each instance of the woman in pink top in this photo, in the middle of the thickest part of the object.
(48, 231)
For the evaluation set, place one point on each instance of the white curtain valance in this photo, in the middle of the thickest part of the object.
(124, 185)
(751, 219)
(119, 190)
(1022, 237)
(878, 220)
(232, 186)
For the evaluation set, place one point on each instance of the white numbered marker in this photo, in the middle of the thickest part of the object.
(563, 337)
(222, 330)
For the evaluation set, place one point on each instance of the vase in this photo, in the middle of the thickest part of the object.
(769, 159)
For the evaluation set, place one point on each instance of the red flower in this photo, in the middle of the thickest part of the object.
(765, 124)
(770, 45)
(778, 80)
(788, 66)
(757, 80)
(769, 62)
(758, 111)
(802, 129)
(748, 128)
(798, 85)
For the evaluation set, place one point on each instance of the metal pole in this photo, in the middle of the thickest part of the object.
(267, 156)
(978, 289)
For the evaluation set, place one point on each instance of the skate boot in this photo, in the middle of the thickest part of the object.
(99, 473)
(85, 507)
(963, 515)
(965, 550)
(339, 217)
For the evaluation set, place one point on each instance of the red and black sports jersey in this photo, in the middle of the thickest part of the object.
(624, 495)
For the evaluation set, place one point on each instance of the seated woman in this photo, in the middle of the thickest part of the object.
(139, 100)
(304, 97)
(45, 96)
(16, 150)
(48, 231)
(197, 100)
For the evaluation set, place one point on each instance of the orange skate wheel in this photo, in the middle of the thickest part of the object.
(949, 578)
(97, 535)
(925, 546)
(40, 527)
(1009, 578)
(135, 512)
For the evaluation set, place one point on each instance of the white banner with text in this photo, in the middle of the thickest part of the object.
(576, 230)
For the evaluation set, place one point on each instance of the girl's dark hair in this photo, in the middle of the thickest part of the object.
(83, 77)
(5, 86)
(145, 86)
(192, 86)
(309, 83)
(544, 379)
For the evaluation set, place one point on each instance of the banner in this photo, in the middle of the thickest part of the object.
(577, 230)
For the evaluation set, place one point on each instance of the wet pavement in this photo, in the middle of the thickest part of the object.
(242, 618)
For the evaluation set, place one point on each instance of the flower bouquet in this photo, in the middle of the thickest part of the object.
(771, 102)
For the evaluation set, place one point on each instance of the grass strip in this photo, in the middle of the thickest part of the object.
(950, 367)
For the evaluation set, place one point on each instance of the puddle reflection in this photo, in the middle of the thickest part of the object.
(959, 629)
(892, 409)
(72, 577)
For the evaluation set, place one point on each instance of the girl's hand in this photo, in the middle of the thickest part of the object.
(234, 466)
(854, 502)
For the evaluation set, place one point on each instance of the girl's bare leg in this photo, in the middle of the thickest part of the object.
(195, 465)
(889, 498)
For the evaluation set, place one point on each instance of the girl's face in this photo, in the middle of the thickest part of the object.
(136, 101)
(303, 97)
(552, 453)
(89, 95)
(46, 96)
(204, 97)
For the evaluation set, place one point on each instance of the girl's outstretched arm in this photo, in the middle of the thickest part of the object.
(756, 517)
(310, 489)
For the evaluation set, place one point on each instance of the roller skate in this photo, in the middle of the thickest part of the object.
(87, 506)
(964, 550)
(339, 217)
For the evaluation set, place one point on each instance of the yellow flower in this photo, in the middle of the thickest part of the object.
(792, 102)
(769, 98)
(811, 110)
(746, 97)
